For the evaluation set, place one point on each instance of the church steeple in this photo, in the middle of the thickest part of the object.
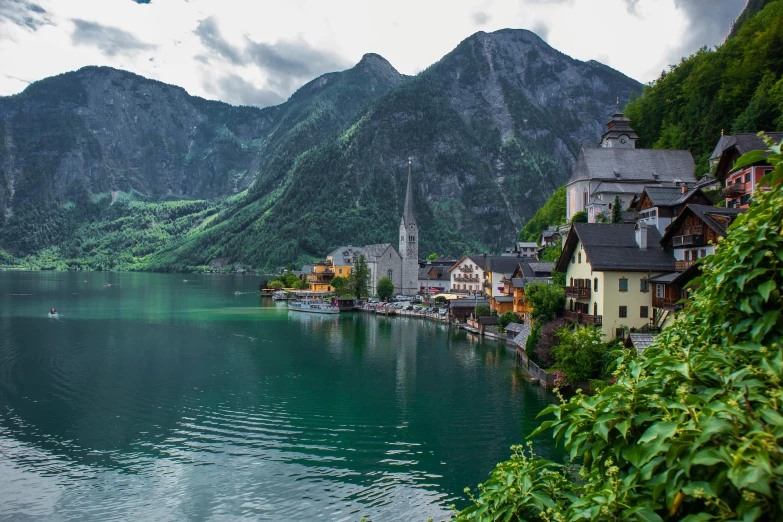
(408, 216)
(619, 133)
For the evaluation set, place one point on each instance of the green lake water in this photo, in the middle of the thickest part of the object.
(171, 397)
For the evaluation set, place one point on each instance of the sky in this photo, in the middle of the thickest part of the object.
(259, 52)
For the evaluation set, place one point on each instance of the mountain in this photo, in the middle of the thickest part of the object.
(493, 128)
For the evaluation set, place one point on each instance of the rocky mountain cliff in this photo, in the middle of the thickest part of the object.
(493, 128)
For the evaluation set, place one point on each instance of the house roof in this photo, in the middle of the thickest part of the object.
(468, 303)
(526, 244)
(443, 261)
(614, 248)
(737, 145)
(344, 255)
(522, 282)
(502, 264)
(622, 165)
(541, 269)
(619, 125)
(477, 259)
(717, 218)
(376, 250)
(441, 273)
(668, 277)
(514, 327)
(504, 299)
(640, 341)
(548, 233)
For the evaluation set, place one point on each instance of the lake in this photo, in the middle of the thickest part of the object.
(171, 397)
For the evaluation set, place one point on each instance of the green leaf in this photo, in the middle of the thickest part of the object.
(645, 514)
(661, 431)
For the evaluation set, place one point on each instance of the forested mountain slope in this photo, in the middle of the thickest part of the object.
(493, 127)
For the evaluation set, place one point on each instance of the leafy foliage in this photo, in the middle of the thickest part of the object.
(338, 283)
(547, 301)
(552, 253)
(508, 317)
(548, 339)
(617, 211)
(432, 256)
(552, 213)
(385, 288)
(482, 311)
(579, 217)
(692, 430)
(359, 279)
(580, 353)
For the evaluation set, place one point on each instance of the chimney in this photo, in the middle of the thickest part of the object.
(684, 188)
(641, 235)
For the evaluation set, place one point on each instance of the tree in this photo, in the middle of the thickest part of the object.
(338, 283)
(691, 430)
(432, 257)
(385, 288)
(508, 317)
(547, 301)
(552, 252)
(547, 340)
(482, 311)
(617, 210)
(580, 352)
(300, 284)
(291, 280)
(275, 284)
(579, 217)
(359, 280)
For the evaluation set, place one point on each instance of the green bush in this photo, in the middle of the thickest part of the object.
(385, 288)
(482, 311)
(579, 217)
(580, 354)
(548, 301)
(532, 342)
(693, 429)
(508, 317)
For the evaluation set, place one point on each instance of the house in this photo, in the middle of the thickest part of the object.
(618, 168)
(514, 287)
(434, 278)
(461, 309)
(740, 183)
(467, 274)
(338, 263)
(496, 270)
(657, 206)
(607, 270)
(694, 233)
(549, 236)
(668, 290)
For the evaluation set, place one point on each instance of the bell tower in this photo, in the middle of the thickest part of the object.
(409, 242)
(619, 134)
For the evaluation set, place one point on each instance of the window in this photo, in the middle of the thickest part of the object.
(595, 284)
(619, 333)
(572, 282)
(623, 311)
(339, 270)
(643, 285)
(573, 259)
(595, 308)
(623, 284)
(747, 177)
(402, 239)
(389, 274)
(584, 198)
(660, 291)
(579, 257)
(744, 199)
(643, 312)
(703, 252)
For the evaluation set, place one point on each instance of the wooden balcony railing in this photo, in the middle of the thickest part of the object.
(466, 279)
(579, 292)
(682, 265)
(578, 317)
(734, 190)
(690, 239)
(664, 302)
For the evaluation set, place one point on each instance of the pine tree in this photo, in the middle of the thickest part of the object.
(359, 279)
(617, 211)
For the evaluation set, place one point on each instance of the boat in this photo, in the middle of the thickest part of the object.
(281, 295)
(312, 306)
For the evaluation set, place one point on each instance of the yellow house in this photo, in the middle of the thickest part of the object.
(338, 263)
(607, 269)
(514, 288)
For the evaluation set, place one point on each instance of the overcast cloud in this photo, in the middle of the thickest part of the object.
(260, 52)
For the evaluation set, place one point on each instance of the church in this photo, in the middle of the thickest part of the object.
(382, 259)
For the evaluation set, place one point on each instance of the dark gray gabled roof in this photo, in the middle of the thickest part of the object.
(522, 282)
(467, 303)
(668, 277)
(542, 269)
(502, 264)
(613, 248)
(717, 218)
(504, 299)
(376, 250)
(441, 273)
(514, 327)
(624, 165)
(746, 142)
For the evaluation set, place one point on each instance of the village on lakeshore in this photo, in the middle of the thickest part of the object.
(638, 223)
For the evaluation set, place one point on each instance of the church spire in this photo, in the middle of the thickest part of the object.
(408, 217)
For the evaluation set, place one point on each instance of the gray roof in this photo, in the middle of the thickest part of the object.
(375, 250)
(542, 268)
(633, 165)
(744, 143)
(408, 216)
(307, 269)
(477, 259)
(341, 255)
(526, 244)
(723, 142)
(502, 264)
(522, 282)
(514, 327)
(665, 278)
(641, 341)
(612, 187)
(468, 303)
(619, 125)
(504, 299)
(664, 196)
(441, 273)
(614, 248)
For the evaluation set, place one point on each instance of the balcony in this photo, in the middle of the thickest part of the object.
(580, 318)
(664, 302)
(687, 240)
(683, 265)
(734, 190)
(467, 269)
(466, 279)
(578, 292)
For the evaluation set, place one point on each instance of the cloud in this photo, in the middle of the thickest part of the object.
(480, 18)
(23, 13)
(631, 6)
(210, 37)
(236, 90)
(110, 40)
(289, 63)
(541, 29)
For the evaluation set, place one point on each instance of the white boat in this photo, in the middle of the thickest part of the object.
(315, 307)
(280, 295)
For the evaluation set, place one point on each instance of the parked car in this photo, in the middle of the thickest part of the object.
(373, 300)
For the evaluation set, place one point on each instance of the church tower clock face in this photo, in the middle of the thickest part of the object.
(623, 141)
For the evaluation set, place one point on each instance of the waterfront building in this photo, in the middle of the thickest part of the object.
(467, 274)
(434, 279)
(607, 269)
(658, 206)
(496, 270)
(740, 183)
(618, 168)
(514, 289)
